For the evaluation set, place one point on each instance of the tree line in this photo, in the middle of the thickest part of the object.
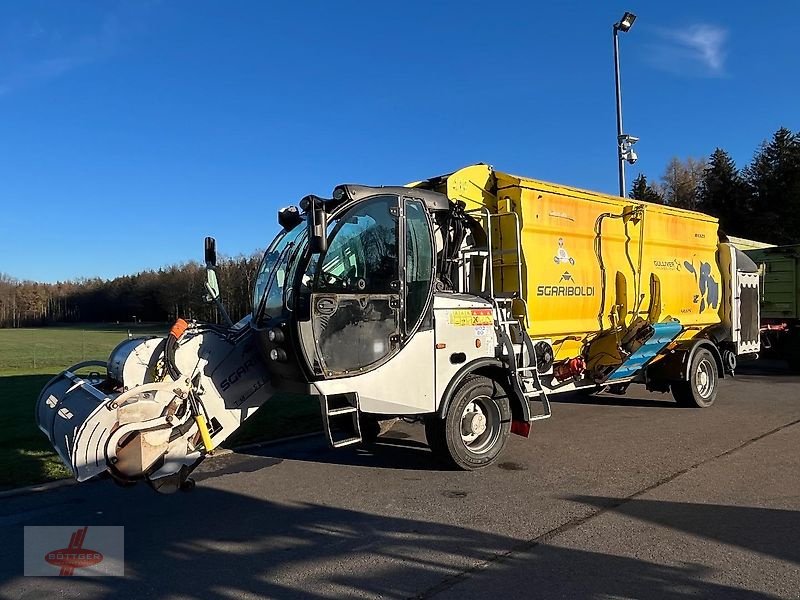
(149, 296)
(759, 202)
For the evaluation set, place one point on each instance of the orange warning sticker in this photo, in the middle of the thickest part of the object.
(472, 317)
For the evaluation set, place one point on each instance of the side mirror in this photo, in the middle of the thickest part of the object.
(317, 223)
(318, 231)
(212, 285)
(211, 252)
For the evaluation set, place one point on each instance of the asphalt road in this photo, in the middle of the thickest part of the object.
(621, 497)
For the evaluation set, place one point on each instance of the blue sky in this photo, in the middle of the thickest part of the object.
(129, 130)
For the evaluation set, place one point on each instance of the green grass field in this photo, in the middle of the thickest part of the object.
(30, 357)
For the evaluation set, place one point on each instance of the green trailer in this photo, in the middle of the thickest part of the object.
(780, 301)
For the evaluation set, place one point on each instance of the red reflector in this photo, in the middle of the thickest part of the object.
(521, 428)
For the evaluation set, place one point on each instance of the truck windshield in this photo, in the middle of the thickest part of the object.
(268, 291)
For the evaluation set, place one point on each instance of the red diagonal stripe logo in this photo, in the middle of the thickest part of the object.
(74, 555)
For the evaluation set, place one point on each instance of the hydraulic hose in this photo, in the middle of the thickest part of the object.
(175, 333)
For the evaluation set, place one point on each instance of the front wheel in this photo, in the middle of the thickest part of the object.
(476, 427)
(700, 390)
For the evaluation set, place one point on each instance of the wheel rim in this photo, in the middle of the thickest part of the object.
(480, 424)
(704, 379)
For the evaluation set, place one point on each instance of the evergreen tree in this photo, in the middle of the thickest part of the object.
(723, 194)
(774, 181)
(641, 190)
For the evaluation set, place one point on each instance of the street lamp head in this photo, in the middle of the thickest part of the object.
(626, 22)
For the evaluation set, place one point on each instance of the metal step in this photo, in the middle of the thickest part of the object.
(346, 442)
(346, 410)
(341, 423)
(523, 377)
(541, 417)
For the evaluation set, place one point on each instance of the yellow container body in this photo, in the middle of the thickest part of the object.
(592, 262)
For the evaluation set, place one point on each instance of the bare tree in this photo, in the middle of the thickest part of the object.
(680, 182)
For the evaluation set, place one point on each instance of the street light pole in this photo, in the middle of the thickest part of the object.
(620, 160)
(624, 142)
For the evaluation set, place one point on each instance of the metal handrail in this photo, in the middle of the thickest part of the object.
(484, 212)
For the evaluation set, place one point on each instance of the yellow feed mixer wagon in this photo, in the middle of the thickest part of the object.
(465, 301)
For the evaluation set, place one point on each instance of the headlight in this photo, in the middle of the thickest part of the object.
(277, 354)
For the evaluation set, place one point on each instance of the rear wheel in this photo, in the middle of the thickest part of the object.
(700, 390)
(476, 427)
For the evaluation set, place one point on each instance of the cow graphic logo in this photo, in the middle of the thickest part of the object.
(708, 287)
(74, 556)
(562, 256)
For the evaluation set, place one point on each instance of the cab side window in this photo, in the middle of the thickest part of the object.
(419, 263)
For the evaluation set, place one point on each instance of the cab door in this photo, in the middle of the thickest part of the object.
(356, 290)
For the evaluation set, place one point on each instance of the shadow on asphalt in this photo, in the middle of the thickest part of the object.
(216, 545)
(753, 369)
(764, 530)
(606, 399)
(391, 451)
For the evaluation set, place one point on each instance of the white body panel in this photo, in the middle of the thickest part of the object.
(747, 281)
(734, 281)
(460, 336)
(233, 379)
(415, 379)
(133, 361)
(402, 386)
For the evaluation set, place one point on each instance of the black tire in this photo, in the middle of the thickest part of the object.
(434, 434)
(700, 390)
(793, 353)
(476, 427)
